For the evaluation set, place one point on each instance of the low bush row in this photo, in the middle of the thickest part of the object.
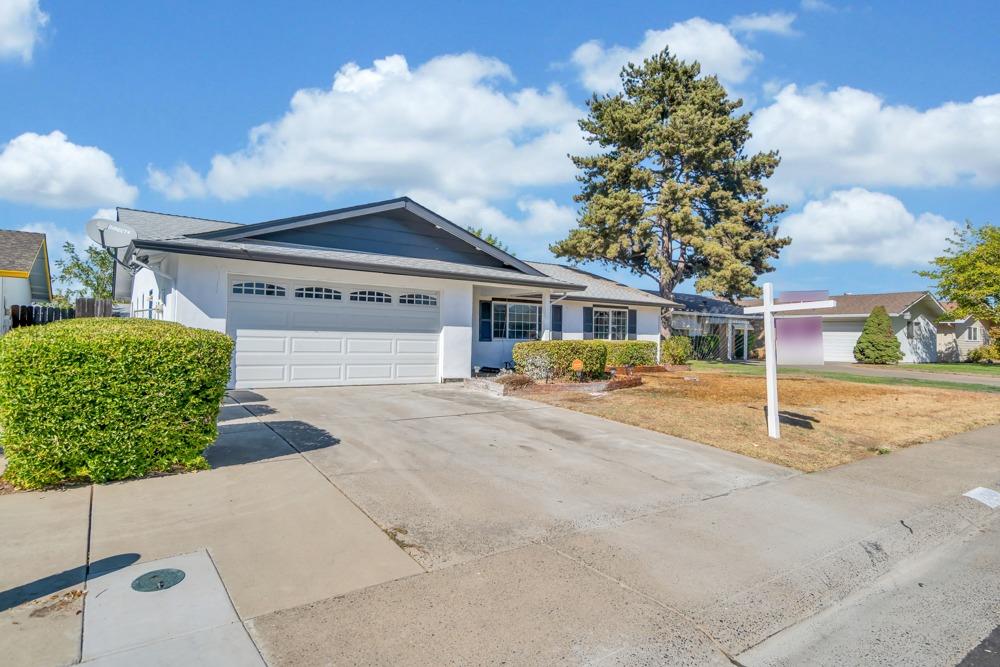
(542, 360)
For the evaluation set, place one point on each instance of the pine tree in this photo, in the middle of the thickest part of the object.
(671, 193)
(877, 344)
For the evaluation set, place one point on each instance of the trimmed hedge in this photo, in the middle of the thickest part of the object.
(676, 350)
(101, 399)
(631, 352)
(557, 356)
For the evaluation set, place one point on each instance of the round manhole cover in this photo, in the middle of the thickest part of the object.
(158, 580)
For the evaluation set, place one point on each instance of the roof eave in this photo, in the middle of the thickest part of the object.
(241, 253)
(625, 302)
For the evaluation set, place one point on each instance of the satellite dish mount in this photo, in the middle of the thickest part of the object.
(112, 235)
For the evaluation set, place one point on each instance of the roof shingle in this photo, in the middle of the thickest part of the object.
(18, 250)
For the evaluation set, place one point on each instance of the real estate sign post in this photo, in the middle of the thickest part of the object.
(769, 308)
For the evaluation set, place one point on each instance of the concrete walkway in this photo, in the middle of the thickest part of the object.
(902, 372)
(430, 525)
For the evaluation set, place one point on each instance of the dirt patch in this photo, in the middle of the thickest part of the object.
(824, 422)
(55, 603)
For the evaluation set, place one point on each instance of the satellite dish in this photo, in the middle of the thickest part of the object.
(111, 233)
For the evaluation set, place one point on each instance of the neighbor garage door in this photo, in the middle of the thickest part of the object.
(302, 334)
(839, 339)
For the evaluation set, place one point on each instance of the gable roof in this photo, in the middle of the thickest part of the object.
(18, 250)
(861, 305)
(246, 232)
(354, 261)
(25, 255)
(599, 288)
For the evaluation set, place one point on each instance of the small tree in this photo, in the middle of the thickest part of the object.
(489, 238)
(89, 276)
(877, 344)
(968, 275)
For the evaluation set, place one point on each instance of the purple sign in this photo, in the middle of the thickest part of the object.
(799, 340)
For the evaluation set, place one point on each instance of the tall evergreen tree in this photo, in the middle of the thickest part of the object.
(671, 193)
(877, 344)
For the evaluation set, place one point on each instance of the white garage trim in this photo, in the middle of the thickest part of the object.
(301, 333)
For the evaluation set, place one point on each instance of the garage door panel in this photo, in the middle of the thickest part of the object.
(331, 373)
(311, 342)
(320, 344)
(248, 342)
(416, 346)
(369, 372)
(369, 346)
(406, 371)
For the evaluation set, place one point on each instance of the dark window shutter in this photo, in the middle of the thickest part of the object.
(485, 320)
(631, 324)
(556, 322)
(588, 322)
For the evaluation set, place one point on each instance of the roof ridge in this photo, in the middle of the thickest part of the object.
(176, 215)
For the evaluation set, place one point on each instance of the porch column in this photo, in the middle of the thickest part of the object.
(546, 315)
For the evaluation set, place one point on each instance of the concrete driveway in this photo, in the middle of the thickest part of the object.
(432, 525)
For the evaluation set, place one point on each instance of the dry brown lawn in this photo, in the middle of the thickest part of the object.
(824, 422)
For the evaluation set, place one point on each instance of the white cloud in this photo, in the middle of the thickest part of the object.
(49, 170)
(778, 23)
(448, 126)
(711, 44)
(538, 217)
(21, 23)
(857, 225)
(816, 6)
(846, 136)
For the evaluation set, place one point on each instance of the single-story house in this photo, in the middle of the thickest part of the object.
(957, 337)
(718, 329)
(382, 293)
(24, 271)
(913, 315)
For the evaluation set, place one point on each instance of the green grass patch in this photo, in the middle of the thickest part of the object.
(845, 376)
(966, 368)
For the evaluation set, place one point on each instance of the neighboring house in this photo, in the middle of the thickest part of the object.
(383, 293)
(718, 329)
(24, 271)
(913, 314)
(956, 338)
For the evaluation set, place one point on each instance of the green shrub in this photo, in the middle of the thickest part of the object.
(984, 354)
(877, 344)
(630, 352)
(557, 357)
(102, 399)
(676, 350)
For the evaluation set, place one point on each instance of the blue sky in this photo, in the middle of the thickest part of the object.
(887, 114)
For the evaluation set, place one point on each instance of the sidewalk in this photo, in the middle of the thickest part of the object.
(902, 372)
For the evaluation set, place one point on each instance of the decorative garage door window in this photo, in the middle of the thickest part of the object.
(258, 289)
(516, 321)
(371, 296)
(317, 293)
(418, 300)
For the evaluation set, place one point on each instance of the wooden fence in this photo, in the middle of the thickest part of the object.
(26, 316)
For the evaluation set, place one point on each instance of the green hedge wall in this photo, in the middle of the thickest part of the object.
(101, 399)
(558, 355)
(631, 352)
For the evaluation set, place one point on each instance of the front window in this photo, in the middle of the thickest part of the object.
(610, 324)
(517, 321)
(973, 333)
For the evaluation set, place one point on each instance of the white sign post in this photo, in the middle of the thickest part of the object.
(769, 308)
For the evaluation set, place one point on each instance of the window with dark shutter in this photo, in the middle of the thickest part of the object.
(631, 324)
(588, 322)
(485, 321)
(556, 322)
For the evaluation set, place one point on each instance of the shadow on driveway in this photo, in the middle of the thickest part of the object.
(239, 444)
(53, 583)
